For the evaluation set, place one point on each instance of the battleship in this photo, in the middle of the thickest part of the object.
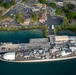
(53, 48)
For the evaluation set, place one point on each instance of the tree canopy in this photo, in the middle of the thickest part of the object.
(43, 10)
(59, 11)
(35, 16)
(71, 6)
(0, 12)
(52, 4)
(12, 2)
(71, 15)
(20, 18)
(7, 4)
(43, 1)
(65, 21)
(25, 0)
(65, 9)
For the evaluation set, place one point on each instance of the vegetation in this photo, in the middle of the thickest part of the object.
(7, 4)
(67, 27)
(59, 11)
(12, 16)
(65, 22)
(52, 4)
(20, 18)
(24, 0)
(43, 1)
(71, 15)
(2, 17)
(35, 16)
(43, 10)
(71, 6)
(0, 12)
(65, 9)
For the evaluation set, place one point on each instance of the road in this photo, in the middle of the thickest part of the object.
(52, 20)
(51, 31)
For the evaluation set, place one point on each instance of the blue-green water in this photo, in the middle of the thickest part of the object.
(66, 67)
(20, 36)
(67, 32)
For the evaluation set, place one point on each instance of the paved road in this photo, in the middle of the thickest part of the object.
(51, 31)
(52, 20)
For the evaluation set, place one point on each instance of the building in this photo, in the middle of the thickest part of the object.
(66, 52)
(39, 40)
(35, 9)
(26, 22)
(61, 38)
(42, 17)
(59, 2)
(6, 19)
(73, 46)
(26, 55)
(65, 2)
(9, 56)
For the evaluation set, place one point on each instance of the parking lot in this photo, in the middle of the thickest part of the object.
(18, 8)
(52, 20)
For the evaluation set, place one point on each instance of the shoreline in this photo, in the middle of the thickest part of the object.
(43, 28)
(44, 60)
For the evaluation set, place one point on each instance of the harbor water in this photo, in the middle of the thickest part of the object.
(65, 67)
(22, 36)
(67, 32)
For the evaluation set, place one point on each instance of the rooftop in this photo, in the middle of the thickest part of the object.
(42, 16)
(39, 40)
(9, 56)
(6, 19)
(61, 38)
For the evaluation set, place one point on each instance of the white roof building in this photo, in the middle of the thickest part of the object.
(61, 38)
(9, 56)
(73, 48)
(66, 52)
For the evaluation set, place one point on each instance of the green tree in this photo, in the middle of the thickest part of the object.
(59, 11)
(71, 6)
(35, 16)
(0, 12)
(65, 9)
(2, 3)
(43, 1)
(43, 10)
(71, 14)
(52, 4)
(20, 18)
(7, 5)
(65, 21)
(12, 2)
(25, 0)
